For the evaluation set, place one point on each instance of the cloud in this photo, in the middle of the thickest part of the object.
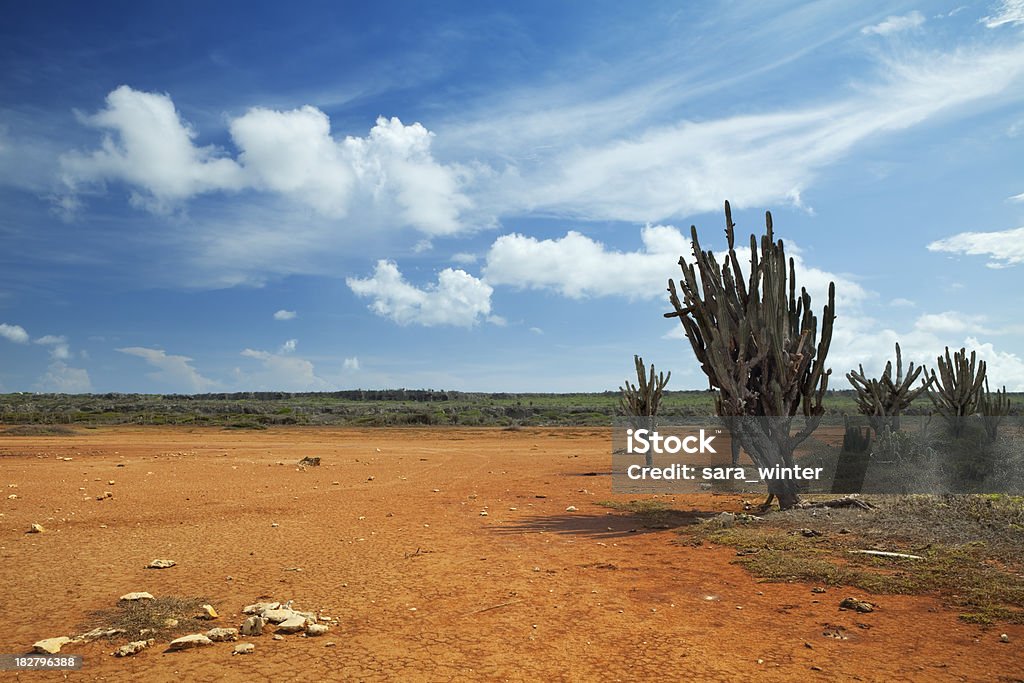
(895, 24)
(950, 322)
(289, 346)
(59, 346)
(900, 302)
(536, 330)
(578, 267)
(351, 363)
(62, 379)
(1009, 12)
(457, 298)
(14, 333)
(859, 339)
(390, 175)
(650, 173)
(149, 147)
(464, 258)
(281, 372)
(1004, 248)
(173, 371)
(285, 315)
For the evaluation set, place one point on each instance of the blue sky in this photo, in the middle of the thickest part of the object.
(491, 196)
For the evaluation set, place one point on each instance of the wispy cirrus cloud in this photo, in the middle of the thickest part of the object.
(1004, 248)
(895, 24)
(1009, 12)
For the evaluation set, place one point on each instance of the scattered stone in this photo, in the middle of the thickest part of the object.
(36, 529)
(13, 496)
(571, 508)
(483, 513)
(100, 632)
(278, 637)
(120, 464)
(808, 533)
(208, 612)
(725, 520)
(243, 649)
(50, 646)
(161, 564)
(293, 624)
(132, 597)
(170, 622)
(1004, 638)
(314, 630)
(132, 648)
(189, 641)
(222, 635)
(276, 616)
(817, 589)
(312, 461)
(330, 643)
(110, 483)
(253, 626)
(106, 494)
(260, 607)
(274, 525)
(370, 478)
(858, 605)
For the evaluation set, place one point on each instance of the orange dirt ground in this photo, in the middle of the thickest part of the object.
(425, 588)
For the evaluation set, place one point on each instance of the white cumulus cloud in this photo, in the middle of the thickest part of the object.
(285, 315)
(58, 346)
(1004, 248)
(14, 333)
(281, 372)
(175, 372)
(389, 175)
(351, 363)
(457, 298)
(577, 266)
(63, 379)
(148, 146)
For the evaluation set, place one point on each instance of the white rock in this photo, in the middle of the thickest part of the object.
(132, 597)
(132, 648)
(50, 646)
(316, 629)
(571, 508)
(1004, 638)
(253, 626)
(276, 616)
(189, 641)
(36, 529)
(160, 564)
(292, 625)
(100, 632)
(222, 635)
(243, 649)
(277, 637)
(260, 607)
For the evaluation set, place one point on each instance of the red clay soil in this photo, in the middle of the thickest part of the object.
(390, 540)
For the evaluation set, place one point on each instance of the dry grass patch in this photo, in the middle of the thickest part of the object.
(162, 618)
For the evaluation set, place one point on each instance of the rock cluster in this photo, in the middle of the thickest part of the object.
(282, 616)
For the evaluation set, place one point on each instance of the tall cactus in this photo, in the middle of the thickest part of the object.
(993, 406)
(884, 399)
(956, 390)
(758, 343)
(642, 399)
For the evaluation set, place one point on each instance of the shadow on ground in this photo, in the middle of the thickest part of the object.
(611, 525)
